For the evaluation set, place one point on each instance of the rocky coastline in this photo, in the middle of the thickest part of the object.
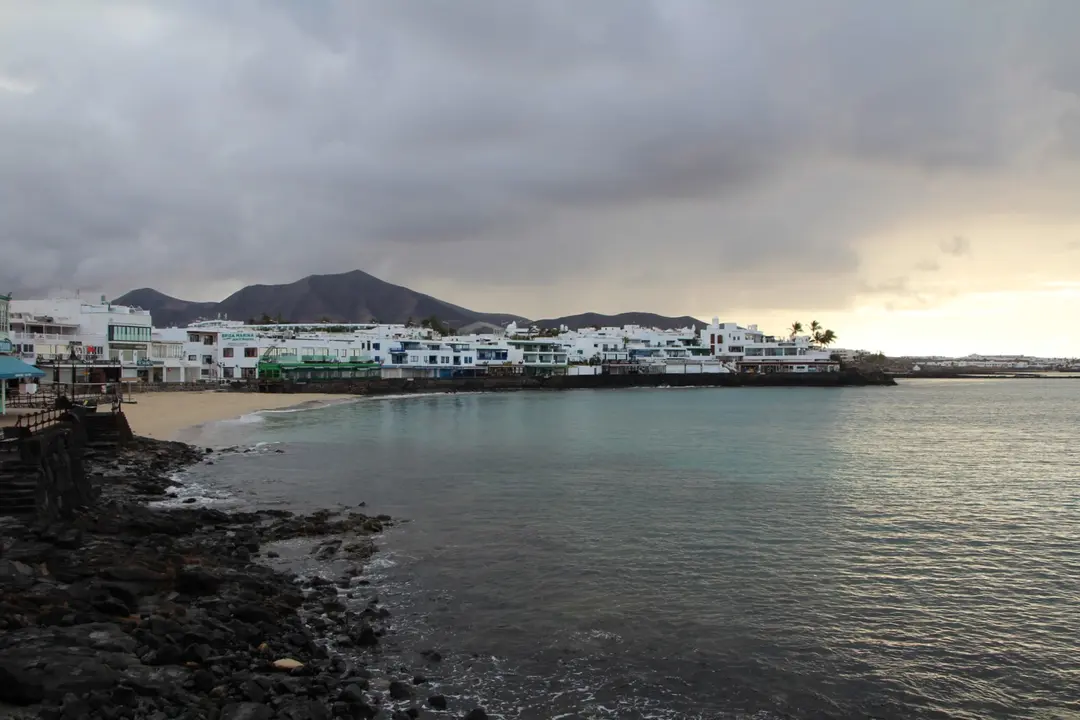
(132, 611)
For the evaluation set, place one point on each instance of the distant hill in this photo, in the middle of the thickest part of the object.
(346, 297)
(645, 319)
(166, 311)
(358, 297)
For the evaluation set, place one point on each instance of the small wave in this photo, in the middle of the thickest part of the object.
(194, 494)
(309, 406)
(417, 395)
(250, 418)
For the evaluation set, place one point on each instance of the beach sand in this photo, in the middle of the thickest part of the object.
(163, 415)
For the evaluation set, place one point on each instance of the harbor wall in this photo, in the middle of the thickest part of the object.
(846, 378)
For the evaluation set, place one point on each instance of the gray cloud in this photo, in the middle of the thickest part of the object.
(734, 148)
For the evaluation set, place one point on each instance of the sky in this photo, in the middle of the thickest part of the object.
(905, 173)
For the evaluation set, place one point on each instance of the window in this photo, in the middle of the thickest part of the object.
(374, 346)
(129, 333)
(204, 372)
(468, 360)
(227, 372)
(192, 358)
(247, 372)
(250, 352)
(208, 340)
(432, 359)
(208, 359)
(226, 352)
(446, 359)
(193, 337)
(414, 359)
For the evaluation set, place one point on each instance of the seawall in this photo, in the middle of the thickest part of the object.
(845, 378)
(43, 473)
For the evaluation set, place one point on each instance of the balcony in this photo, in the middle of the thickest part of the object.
(19, 335)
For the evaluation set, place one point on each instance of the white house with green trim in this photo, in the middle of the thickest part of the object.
(75, 340)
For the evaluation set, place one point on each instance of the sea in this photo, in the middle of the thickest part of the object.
(882, 552)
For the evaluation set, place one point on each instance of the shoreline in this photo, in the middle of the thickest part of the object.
(166, 415)
(128, 610)
(404, 386)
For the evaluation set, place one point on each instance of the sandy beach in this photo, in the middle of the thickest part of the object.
(163, 415)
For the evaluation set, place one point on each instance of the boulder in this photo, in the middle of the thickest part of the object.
(167, 654)
(197, 581)
(287, 664)
(18, 687)
(246, 711)
(254, 614)
(399, 690)
(298, 709)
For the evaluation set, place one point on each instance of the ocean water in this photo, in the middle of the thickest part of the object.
(907, 552)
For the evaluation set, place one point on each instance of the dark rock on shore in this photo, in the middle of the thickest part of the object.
(126, 611)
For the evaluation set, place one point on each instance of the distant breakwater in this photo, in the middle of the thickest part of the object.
(844, 378)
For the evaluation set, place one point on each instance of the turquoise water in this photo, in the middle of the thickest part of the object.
(883, 552)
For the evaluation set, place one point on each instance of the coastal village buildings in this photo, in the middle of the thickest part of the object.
(79, 342)
(753, 351)
(16, 376)
(75, 341)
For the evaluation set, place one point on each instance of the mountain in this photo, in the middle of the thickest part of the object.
(645, 319)
(346, 297)
(166, 311)
(358, 297)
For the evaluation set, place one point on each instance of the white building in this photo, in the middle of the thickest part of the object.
(670, 351)
(753, 351)
(5, 329)
(223, 351)
(89, 342)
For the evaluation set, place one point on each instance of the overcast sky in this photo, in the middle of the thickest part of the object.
(905, 172)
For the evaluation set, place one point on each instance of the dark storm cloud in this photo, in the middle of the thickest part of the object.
(178, 144)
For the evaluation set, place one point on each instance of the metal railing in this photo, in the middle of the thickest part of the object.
(35, 422)
(48, 394)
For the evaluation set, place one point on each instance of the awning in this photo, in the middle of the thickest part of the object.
(12, 368)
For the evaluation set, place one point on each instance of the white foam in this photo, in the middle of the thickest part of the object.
(418, 395)
(255, 417)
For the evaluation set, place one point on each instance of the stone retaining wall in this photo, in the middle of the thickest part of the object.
(579, 382)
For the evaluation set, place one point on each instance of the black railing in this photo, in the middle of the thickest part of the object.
(35, 422)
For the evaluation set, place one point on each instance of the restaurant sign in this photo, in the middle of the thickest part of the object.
(241, 338)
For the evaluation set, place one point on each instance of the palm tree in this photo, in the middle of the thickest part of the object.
(796, 328)
(815, 328)
(825, 338)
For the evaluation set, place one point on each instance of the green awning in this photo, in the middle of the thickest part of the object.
(12, 368)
